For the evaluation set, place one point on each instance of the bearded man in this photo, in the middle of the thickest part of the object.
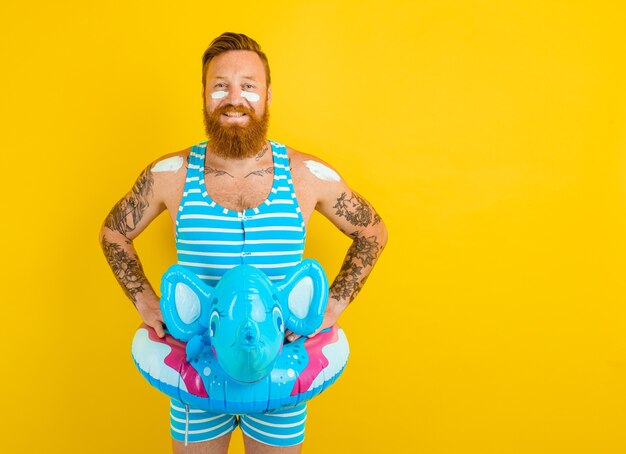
(239, 198)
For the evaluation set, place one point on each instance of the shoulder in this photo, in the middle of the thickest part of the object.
(170, 165)
(171, 162)
(316, 182)
(312, 169)
(168, 171)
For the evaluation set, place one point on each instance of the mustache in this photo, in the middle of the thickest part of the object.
(232, 108)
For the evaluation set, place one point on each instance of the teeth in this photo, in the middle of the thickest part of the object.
(234, 114)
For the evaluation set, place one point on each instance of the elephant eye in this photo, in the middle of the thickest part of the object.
(277, 315)
(214, 323)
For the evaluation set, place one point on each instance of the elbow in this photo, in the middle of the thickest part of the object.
(377, 232)
(109, 234)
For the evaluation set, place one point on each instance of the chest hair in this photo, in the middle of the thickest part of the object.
(239, 193)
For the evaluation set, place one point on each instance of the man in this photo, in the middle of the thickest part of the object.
(239, 198)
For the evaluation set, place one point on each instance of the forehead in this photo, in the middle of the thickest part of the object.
(236, 64)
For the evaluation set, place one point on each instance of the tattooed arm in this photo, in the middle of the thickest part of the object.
(127, 219)
(369, 236)
(350, 213)
(355, 217)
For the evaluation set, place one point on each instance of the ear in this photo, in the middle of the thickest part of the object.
(269, 96)
(304, 294)
(184, 303)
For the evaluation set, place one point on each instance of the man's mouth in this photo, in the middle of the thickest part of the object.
(235, 118)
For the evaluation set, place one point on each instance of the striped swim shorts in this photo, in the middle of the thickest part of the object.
(278, 428)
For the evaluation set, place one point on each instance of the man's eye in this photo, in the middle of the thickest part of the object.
(249, 87)
(220, 85)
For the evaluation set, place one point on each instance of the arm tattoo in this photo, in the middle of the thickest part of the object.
(216, 172)
(351, 278)
(127, 269)
(127, 213)
(260, 173)
(356, 210)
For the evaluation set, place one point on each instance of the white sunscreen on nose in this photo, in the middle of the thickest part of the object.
(321, 171)
(168, 164)
(219, 94)
(251, 96)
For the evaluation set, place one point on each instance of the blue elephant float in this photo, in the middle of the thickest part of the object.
(224, 348)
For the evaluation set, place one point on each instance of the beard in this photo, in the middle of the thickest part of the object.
(236, 141)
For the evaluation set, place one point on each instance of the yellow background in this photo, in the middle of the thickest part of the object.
(490, 136)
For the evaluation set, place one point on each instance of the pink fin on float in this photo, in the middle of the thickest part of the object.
(176, 360)
(317, 360)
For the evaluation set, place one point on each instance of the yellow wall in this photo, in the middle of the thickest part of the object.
(490, 135)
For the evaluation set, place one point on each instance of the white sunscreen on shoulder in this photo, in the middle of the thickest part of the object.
(219, 94)
(168, 164)
(251, 96)
(321, 171)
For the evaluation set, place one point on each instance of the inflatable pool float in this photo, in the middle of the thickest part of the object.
(224, 348)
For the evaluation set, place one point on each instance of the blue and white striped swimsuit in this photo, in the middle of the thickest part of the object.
(210, 240)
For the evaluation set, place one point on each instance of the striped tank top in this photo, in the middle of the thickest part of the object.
(211, 239)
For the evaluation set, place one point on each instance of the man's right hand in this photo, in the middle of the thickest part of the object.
(150, 313)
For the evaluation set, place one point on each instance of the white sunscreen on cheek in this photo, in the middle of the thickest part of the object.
(321, 171)
(251, 96)
(168, 164)
(219, 94)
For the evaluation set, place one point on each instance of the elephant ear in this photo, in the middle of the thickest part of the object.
(184, 303)
(303, 295)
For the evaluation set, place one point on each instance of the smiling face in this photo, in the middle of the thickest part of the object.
(236, 104)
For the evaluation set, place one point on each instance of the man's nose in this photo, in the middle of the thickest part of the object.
(234, 97)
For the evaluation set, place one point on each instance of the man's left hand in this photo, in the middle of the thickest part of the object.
(331, 315)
